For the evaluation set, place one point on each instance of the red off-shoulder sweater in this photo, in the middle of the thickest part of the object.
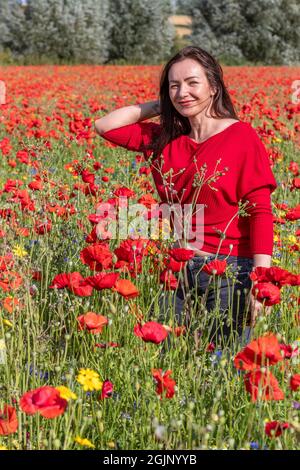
(238, 153)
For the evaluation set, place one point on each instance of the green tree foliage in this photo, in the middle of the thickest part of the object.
(264, 31)
(61, 30)
(12, 26)
(141, 31)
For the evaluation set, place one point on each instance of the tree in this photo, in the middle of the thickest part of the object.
(61, 30)
(264, 31)
(12, 26)
(184, 7)
(216, 26)
(141, 32)
(272, 35)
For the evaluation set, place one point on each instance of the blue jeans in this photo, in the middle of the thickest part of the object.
(228, 295)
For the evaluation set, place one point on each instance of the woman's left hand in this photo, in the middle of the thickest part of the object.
(256, 309)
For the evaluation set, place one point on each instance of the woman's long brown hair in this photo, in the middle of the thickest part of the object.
(173, 124)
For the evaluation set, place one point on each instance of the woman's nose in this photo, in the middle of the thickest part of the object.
(182, 91)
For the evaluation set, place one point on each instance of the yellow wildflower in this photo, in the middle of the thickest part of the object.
(3, 448)
(281, 213)
(19, 251)
(7, 322)
(66, 393)
(83, 442)
(161, 230)
(89, 379)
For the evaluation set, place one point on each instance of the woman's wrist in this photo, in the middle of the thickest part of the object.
(148, 110)
(156, 108)
(262, 260)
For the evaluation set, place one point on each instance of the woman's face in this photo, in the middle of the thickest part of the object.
(189, 90)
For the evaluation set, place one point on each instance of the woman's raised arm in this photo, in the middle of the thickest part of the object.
(127, 115)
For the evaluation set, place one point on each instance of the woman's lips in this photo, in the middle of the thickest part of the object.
(187, 103)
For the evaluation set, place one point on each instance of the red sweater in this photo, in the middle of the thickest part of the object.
(247, 175)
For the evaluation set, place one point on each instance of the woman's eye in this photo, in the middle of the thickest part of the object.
(191, 83)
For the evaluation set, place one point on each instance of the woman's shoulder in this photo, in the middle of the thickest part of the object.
(246, 128)
(246, 135)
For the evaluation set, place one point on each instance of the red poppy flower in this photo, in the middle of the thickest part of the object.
(165, 385)
(293, 214)
(92, 237)
(147, 200)
(295, 184)
(124, 192)
(173, 265)
(126, 288)
(10, 280)
(179, 330)
(263, 386)
(109, 170)
(295, 382)
(6, 262)
(43, 227)
(294, 280)
(107, 390)
(8, 420)
(266, 292)
(110, 344)
(11, 185)
(217, 267)
(45, 400)
(36, 275)
(169, 280)
(97, 257)
(259, 274)
(263, 351)
(275, 428)
(92, 322)
(36, 185)
(294, 168)
(22, 231)
(132, 251)
(277, 276)
(289, 351)
(87, 177)
(151, 331)
(10, 304)
(181, 254)
(102, 280)
(74, 282)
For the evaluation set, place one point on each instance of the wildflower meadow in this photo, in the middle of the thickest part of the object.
(86, 361)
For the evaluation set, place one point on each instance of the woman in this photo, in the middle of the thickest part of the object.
(200, 148)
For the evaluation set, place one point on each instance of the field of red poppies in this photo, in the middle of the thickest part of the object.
(82, 362)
